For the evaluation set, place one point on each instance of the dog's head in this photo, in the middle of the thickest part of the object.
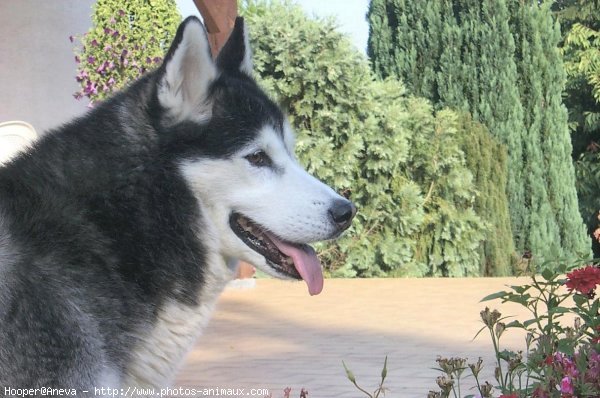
(235, 149)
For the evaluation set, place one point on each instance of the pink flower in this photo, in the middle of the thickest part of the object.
(90, 88)
(592, 375)
(565, 365)
(566, 386)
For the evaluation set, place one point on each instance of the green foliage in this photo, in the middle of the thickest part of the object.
(580, 21)
(418, 68)
(588, 183)
(487, 158)
(501, 65)
(547, 144)
(401, 161)
(126, 39)
(418, 43)
(580, 24)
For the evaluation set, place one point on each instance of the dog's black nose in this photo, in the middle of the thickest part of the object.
(342, 212)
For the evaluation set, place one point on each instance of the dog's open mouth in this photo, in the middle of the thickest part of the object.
(296, 260)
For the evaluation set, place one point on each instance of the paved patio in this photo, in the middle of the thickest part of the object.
(275, 335)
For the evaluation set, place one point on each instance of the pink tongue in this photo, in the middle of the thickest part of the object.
(306, 262)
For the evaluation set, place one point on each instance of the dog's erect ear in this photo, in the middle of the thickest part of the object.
(187, 72)
(235, 56)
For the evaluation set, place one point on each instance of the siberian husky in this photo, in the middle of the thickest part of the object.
(119, 230)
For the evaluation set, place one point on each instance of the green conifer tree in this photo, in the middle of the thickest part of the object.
(547, 146)
(393, 51)
(514, 90)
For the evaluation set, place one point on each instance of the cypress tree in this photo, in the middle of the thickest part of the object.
(514, 89)
(411, 53)
(487, 88)
(547, 149)
(417, 60)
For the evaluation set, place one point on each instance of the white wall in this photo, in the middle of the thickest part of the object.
(37, 68)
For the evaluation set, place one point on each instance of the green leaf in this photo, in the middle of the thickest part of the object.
(520, 289)
(529, 322)
(579, 299)
(559, 310)
(515, 324)
(494, 296)
(548, 274)
(566, 346)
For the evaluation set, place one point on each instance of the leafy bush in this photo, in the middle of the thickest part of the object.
(401, 161)
(126, 39)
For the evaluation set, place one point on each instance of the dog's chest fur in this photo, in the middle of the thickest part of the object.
(163, 346)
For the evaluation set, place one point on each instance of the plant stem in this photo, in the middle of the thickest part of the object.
(368, 394)
(497, 350)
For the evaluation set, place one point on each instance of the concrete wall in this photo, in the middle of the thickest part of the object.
(37, 67)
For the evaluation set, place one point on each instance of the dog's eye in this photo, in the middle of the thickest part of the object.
(259, 159)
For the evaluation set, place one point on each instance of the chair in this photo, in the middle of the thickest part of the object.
(15, 136)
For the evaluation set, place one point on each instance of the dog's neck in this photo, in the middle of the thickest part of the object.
(162, 349)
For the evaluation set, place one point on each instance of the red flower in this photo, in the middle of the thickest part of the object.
(540, 393)
(584, 280)
(513, 395)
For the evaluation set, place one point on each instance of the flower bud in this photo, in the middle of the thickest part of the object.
(500, 328)
(349, 374)
(486, 390)
(476, 367)
(490, 318)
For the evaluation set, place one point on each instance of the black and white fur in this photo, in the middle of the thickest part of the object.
(115, 238)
